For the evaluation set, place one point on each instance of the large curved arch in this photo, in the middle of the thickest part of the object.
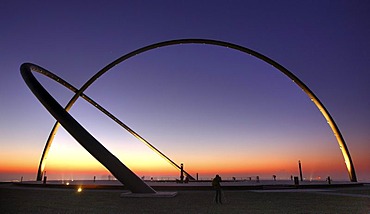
(311, 95)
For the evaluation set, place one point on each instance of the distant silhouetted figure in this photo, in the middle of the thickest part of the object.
(328, 179)
(217, 186)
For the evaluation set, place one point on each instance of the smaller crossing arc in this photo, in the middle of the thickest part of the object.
(94, 147)
(58, 79)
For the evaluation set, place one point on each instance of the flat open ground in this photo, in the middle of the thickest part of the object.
(20, 199)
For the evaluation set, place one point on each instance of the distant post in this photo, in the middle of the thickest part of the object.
(296, 181)
(182, 173)
(45, 177)
(300, 170)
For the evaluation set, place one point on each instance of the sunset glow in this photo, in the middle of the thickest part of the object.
(212, 108)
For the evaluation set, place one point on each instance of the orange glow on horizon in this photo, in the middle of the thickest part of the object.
(70, 164)
(165, 169)
(87, 172)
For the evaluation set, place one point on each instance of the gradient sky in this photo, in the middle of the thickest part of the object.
(214, 109)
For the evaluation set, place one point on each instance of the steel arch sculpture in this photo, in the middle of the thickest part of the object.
(311, 95)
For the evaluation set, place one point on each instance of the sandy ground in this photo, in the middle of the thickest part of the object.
(19, 199)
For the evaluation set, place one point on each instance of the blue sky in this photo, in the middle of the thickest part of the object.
(202, 105)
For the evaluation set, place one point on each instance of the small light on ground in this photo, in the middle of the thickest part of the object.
(79, 189)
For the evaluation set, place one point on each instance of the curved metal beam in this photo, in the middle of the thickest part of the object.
(97, 150)
(342, 145)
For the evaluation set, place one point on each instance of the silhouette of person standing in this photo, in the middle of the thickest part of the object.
(217, 186)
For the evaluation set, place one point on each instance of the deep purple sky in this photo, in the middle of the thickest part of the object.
(194, 102)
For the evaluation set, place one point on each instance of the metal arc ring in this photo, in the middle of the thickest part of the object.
(311, 95)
